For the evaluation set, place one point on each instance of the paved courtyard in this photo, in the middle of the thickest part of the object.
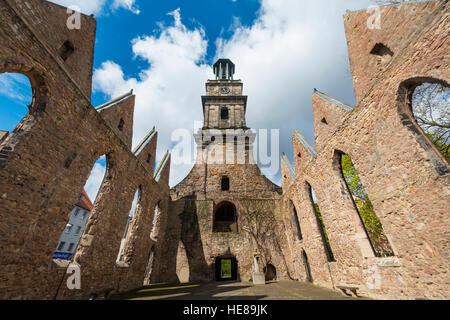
(282, 290)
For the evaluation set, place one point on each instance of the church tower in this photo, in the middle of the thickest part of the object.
(225, 137)
(223, 196)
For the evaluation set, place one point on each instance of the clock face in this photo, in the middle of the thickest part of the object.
(225, 90)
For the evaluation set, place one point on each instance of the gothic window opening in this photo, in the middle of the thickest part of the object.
(149, 267)
(149, 158)
(324, 121)
(371, 223)
(296, 223)
(124, 255)
(16, 98)
(430, 108)
(225, 184)
(156, 222)
(66, 50)
(307, 267)
(225, 218)
(85, 202)
(321, 225)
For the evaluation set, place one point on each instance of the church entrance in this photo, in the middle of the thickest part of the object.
(226, 269)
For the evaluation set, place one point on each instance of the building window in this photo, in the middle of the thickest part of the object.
(66, 50)
(224, 114)
(78, 230)
(321, 225)
(70, 247)
(225, 218)
(61, 245)
(225, 184)
(297, 230)
(85, 213)
(69, 228)
(121, 125)
(77, 210)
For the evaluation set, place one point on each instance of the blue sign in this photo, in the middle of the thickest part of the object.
(62, 256)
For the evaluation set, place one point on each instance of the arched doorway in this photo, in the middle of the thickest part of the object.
(225, 218)
(226, 269)
(270, 272)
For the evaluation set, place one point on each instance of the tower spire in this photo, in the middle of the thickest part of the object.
(224, 69)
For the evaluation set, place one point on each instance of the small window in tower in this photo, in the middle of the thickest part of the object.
(66, 50)
(149, 158)
(225, 184)
(121, 124)
(324, 121)
(224, 114)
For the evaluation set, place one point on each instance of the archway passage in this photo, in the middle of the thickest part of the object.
(270, 272)
(225, 218)
(226, 269)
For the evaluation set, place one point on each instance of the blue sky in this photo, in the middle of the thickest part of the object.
(164, 50)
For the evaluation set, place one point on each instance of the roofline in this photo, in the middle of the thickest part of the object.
(332, 100)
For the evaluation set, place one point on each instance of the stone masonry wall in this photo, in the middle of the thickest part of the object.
(47, 159)
(404, 175)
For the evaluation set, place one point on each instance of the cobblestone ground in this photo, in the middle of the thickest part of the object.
(283, 290)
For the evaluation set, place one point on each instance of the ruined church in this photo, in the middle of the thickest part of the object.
(225, 212)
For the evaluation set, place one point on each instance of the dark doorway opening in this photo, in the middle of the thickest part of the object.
(271, 272)
(226, 269)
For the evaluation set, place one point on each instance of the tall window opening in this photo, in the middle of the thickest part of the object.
(149, 267)
(224, 114)
(364, 207)
(430, 106)
(156, 222)
(225, 184)
(16, 97)
(307, 267)
(124, 254)
(321, 225)
(225, 218)
(295, 222)
(78, 217)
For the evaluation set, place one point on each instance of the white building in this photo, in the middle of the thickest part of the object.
(71, 235)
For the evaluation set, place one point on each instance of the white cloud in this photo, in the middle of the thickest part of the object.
(126, 4)
(16, 87)
(292, 47)
(97, 7)
(168, 91)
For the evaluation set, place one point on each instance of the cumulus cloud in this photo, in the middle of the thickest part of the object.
(97, 7)
(126, 4)
(168, 91)
(291, 48)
